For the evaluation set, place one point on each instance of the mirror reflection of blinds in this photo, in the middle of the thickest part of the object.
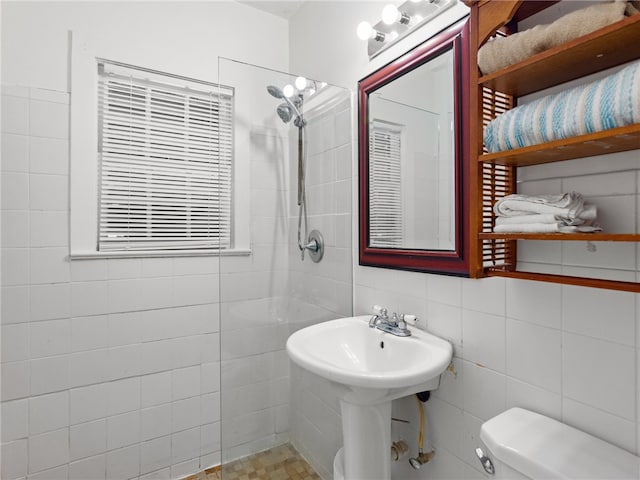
(165, 153)
(385, 202)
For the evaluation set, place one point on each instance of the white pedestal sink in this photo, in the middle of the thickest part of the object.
(368, 369)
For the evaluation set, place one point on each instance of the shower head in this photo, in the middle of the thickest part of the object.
(275, 92)
(284, 112)
(288, 109)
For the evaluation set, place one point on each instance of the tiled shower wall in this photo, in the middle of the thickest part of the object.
(321, 291)
(325, 287)
(110, 368)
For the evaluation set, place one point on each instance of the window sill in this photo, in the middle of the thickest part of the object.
(154, 254)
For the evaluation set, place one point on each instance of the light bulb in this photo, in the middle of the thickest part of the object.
(323, 84)
(391, 36)
(312, 91)
(364, 31)
(288, 91)
(390, 14)
(301, 83)
(416, 19)
(416, 1)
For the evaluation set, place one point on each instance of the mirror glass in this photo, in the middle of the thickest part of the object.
(411, 164)
(413, 159)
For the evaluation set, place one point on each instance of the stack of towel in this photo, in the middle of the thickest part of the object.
(564, 213)
(610, 102)
(501, 52)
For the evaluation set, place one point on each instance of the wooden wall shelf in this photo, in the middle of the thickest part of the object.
(619, 139)
(565, 237)
(568, 280)
(493, 175)
(583, 56)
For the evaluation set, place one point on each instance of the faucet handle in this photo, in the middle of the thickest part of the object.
(378, 310)
(411, 319)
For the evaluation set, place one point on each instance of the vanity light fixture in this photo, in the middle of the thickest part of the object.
(391, 15)
(366, 32)
(398, 21)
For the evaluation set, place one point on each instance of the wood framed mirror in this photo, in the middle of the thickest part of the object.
(413, 164)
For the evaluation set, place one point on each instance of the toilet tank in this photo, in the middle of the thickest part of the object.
(539, 447)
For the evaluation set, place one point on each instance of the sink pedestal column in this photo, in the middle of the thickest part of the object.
(366, 431)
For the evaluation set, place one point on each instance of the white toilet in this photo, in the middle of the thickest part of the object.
(526, 445)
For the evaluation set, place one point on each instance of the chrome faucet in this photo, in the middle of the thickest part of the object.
(379, 317)
(396, 325)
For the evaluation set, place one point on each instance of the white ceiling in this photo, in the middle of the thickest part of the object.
(281, 8)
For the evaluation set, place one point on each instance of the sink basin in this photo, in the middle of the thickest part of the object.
(368, 368)
(348, 352)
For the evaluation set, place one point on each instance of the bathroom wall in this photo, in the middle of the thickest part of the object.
(567, 352)
(110, 368)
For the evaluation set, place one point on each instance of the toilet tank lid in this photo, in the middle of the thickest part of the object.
(543, 448)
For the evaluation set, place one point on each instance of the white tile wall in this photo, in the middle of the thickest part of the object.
(534, 354)
(15, 420)
(582, 369)
(91, 468)
(87, 439)
(15, 153)
(155, 454)
(48, 412)
(48, 450)
(567, 352)
(97, 355)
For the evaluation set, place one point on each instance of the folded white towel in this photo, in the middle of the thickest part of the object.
(544, 228)
(528, 218)
(586, 216)
(568, 205)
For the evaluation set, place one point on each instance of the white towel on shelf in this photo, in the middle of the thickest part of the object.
(567, 205)
(545, 228)
(562, 213)
(586, 216)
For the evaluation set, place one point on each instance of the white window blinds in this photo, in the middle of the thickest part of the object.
(385, 195)
(165, 153)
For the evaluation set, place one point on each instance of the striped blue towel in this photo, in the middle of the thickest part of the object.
(613, 101)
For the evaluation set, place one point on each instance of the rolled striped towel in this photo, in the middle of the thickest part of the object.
(613, 101)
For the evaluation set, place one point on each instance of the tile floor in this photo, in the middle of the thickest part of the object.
(278, 463)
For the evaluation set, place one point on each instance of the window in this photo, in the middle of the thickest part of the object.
(385, 210)
(165, 153)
